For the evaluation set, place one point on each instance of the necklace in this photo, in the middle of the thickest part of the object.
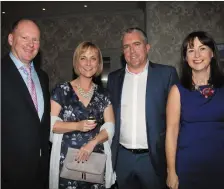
(206, 92)
(88, 95)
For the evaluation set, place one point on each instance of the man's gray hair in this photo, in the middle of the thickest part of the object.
(135, 29)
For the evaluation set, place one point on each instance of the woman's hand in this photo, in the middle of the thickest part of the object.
(172, 180)
(86, 125)
(85, 151)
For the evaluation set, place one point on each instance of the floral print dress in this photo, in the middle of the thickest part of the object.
(73, 111)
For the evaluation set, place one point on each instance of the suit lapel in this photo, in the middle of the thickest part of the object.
(43, 87)
(120, 81)
(150, 101)
(20, 87)
(151, 84)
(120, 85)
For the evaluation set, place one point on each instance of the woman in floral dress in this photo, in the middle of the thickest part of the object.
(72, 103)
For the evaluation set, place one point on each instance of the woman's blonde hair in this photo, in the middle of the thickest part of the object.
(82, 48)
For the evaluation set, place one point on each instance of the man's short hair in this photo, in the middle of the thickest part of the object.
(135, 29)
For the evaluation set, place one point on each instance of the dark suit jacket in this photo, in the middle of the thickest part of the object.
(159, 81)
(22, 132)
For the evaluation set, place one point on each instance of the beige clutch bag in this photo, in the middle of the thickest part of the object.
(92, 170)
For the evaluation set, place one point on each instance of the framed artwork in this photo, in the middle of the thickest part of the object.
(220, 47)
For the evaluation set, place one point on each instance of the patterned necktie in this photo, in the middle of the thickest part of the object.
(31, 86)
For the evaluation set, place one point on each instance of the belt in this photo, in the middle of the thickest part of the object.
(136, 151)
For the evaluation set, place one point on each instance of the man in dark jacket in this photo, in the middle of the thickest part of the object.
(25, 112)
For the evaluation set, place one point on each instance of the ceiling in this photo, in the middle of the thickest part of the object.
(31, 9)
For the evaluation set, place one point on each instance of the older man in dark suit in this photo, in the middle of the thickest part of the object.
(139, 94)
(25, 112)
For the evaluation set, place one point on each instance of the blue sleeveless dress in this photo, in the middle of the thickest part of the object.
(200, 147)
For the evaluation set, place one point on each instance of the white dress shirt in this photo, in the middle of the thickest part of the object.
(133, 121)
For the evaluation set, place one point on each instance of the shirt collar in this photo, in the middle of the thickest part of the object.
(143, 71)
(17, 62)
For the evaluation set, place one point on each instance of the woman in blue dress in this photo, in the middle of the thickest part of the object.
(195, 118)
(72, 103)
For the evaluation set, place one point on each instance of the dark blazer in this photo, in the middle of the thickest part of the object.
(159, 81)
(22, 132)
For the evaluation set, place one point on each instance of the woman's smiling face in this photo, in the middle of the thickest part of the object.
(199, 56)
(88, 63)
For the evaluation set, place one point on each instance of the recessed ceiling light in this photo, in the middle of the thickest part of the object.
(3, 12)
(85, 6)
(43, 9)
